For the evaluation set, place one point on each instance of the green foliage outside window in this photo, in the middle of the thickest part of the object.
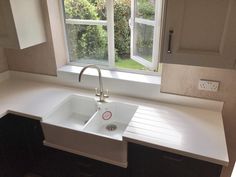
(146, 9)
(122, 13)
(84, 40)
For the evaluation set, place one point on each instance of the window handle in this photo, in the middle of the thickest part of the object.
(130, 23)
(170, 41)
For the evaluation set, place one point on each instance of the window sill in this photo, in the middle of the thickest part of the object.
(110, 74)
(117, 82)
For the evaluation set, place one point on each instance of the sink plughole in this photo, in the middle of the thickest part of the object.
(111, 120)
(83, 126)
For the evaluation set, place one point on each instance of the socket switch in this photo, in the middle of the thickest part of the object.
(208, 85)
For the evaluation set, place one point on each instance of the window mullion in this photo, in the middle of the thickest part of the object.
(110, 32)
(132, 23)
(86, 22)
(145, 21)
(142, 61)
(156, 37)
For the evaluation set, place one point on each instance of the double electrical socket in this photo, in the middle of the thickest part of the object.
(208, 85)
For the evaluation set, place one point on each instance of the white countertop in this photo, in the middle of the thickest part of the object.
(193, 132)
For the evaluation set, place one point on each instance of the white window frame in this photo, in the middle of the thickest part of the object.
(111, 38)
(156, 23)
(109, 23)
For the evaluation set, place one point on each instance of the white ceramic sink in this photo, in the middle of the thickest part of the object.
(111, 120)
(74, 112)
(82, 126)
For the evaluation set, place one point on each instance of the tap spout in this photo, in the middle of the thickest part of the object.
(101, 91)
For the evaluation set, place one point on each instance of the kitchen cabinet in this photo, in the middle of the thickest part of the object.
(56, 163)
(21, 145)
(15, 150)
(21, 23)
(22, 152)
(200, 33)
(144, 161)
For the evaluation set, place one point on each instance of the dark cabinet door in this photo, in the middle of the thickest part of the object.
(149, 162)
(107, 170)
(14, 146)
(175, 165)
(56, 163)
(2, 154)
(143, 162)
(33, 137)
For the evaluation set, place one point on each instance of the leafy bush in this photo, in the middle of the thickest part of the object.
(84, 40)
(144, 39)
(122, 13)
(146, 9)
(100, 7)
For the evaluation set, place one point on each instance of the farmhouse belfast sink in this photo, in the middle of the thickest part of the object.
(83, 126)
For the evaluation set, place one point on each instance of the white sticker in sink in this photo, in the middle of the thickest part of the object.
(107, 115)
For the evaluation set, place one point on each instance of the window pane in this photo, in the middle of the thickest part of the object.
(85, 9)
(87, 44)
(145, 9)
(143, 41)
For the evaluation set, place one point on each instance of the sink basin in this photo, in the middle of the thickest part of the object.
(74, 112)
(111, 120)
(82, 126)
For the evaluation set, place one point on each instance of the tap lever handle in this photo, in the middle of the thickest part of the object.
(97, 92)
(106, 95)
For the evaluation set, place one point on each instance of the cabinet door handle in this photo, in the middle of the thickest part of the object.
(176, 159)
(170, 41)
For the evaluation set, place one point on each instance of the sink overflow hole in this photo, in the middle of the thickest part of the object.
(111, 127)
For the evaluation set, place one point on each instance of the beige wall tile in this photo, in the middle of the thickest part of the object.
(47, 57)
(3, 61)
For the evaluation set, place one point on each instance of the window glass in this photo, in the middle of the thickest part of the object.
(85, 9)
(86, 31)
(143, 41)
(122, 14)
(87, 44)
(145, 9)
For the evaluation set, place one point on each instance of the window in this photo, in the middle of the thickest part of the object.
(114, 33)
